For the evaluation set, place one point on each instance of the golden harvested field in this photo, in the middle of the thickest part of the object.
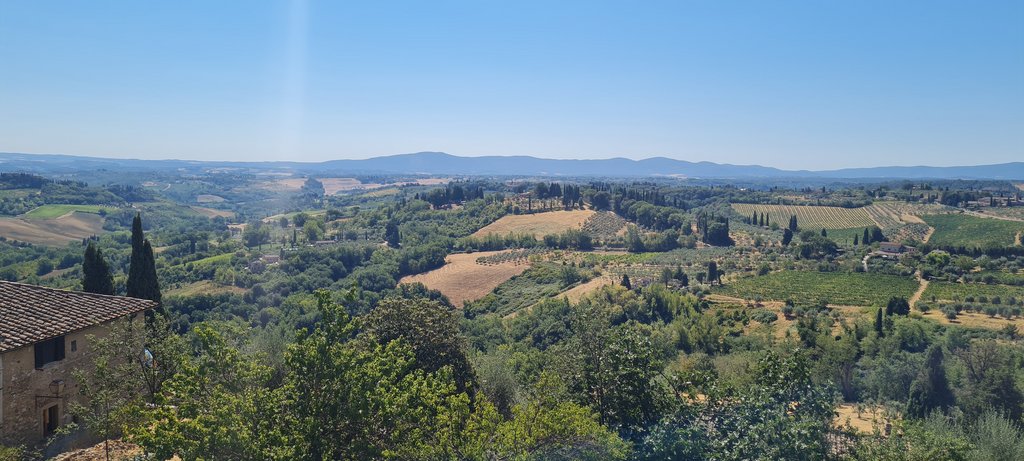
(576, 293)
(55, 232)
(212, 213)
(538, 224)
(334, 185)
(461, 279)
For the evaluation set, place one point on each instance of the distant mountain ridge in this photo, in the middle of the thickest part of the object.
(439, 163)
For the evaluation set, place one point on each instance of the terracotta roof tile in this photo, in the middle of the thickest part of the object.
(29, 313)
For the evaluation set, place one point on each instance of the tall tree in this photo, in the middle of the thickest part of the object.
(792, 223)
(930, 391)
(96, 272)
(625, 282)
(866, 238)
(142, 280)
(713, 274)
(787, 236)
(391, 234)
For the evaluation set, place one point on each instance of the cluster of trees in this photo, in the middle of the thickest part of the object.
(396, 383)
(713, 230)
(453, 193)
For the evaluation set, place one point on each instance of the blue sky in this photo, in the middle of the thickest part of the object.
(815, 84)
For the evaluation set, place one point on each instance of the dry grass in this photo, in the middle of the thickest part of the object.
(281, 185)
(382, 192)
(212, 213)
(54, 232)
(576, 293)
(119, 450)
(866, 421)
(975, 320)
(537, 224)
(461, 279)
(204, 287)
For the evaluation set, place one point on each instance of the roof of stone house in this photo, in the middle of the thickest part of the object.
(30, 313)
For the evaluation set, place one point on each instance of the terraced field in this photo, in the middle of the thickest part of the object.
(839, 288)
(970, 231)
(810, 217)
(899, 221)
(604, 225)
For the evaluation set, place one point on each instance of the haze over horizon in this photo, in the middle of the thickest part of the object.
(798, 85)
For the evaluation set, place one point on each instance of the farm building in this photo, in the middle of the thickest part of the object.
(44, 337)
(893, 249)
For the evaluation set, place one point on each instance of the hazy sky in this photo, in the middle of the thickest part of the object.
(816, 84)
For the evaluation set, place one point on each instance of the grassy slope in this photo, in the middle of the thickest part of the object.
(969, 231)
(840, 288)
(56, 211)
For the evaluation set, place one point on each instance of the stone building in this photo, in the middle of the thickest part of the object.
(43, 338)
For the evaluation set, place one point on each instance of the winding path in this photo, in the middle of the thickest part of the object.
(923, 285)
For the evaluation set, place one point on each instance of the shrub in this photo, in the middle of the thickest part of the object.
(764, 316)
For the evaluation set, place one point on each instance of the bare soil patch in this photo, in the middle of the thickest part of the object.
(118, 450)
(54, 232)
(537, 224)
(461, 279)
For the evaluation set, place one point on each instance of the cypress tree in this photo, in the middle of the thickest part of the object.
(626, 283)
(855, 237)
(866, 238)
(787, 236)
(713, 272)
(96, 272)
(142, 280)
(823, 233)
(930, 391)
(792, 223)
(878, 323)
(135, 264)
(391, 234)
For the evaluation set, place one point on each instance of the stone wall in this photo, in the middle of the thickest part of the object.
(26, 391)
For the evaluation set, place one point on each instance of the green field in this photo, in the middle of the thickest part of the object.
(56, 211)
(945, 291)
(842, 288)
(969, 231)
